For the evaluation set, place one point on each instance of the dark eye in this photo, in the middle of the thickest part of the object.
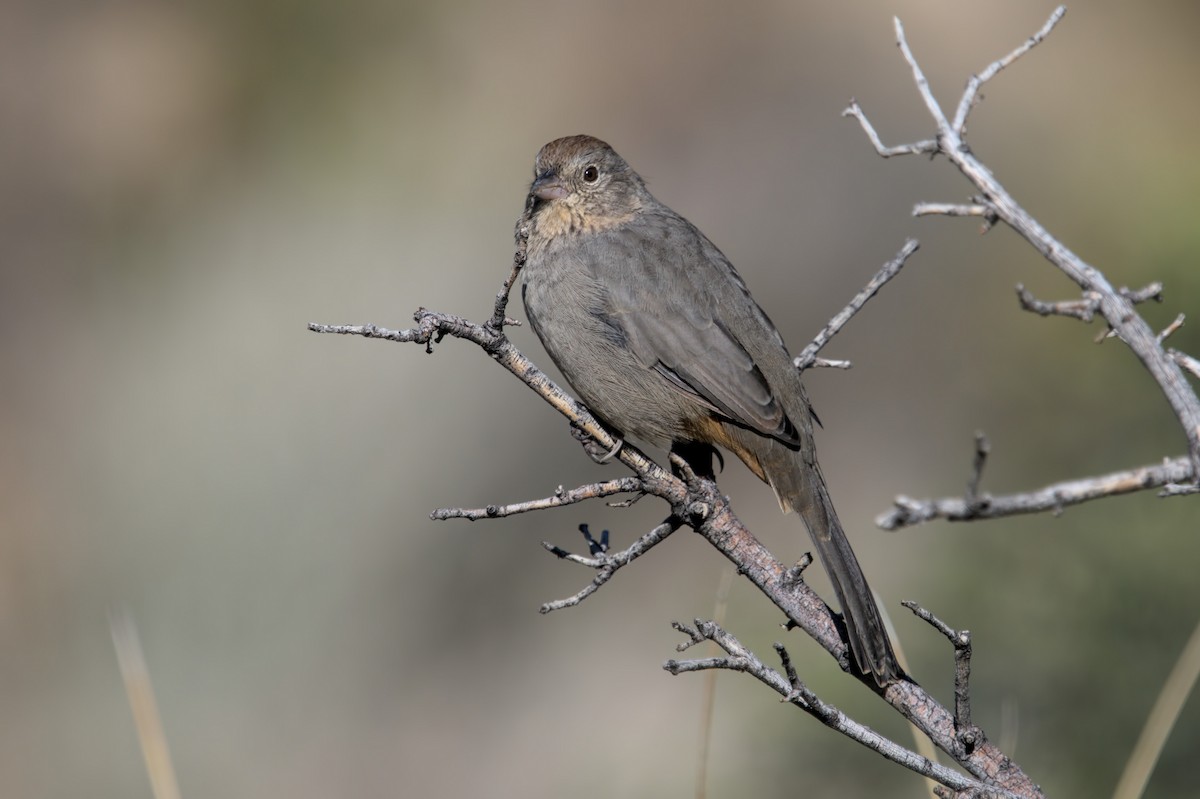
(590, 174)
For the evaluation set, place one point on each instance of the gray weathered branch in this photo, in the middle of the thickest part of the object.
(793, 690)
(1173, 476)
(1115, 306)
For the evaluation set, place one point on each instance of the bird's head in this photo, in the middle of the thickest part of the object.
(581, 184)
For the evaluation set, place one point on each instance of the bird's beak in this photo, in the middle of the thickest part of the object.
(548, 187)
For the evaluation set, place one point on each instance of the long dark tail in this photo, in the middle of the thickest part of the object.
(798, 483)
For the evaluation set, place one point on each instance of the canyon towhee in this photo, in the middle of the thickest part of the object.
(659, 335)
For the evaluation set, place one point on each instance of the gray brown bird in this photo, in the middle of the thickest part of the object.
(658, 334)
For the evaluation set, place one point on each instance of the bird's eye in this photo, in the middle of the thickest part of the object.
(590, 174)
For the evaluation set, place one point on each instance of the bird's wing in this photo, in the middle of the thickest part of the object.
(679, 303)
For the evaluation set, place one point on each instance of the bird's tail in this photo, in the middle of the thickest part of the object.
(801, 487)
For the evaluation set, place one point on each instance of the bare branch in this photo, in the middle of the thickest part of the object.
(795, 692)
(908, 512)
(1083, 309)
(622, 485)
(1171, 328)
(952, 209)
(968, 734)
(1153, 291)
(969, 97)
(1186, 361)
(607, 565)
(424, 333)
(1116, 307)
(808, 356)
(499, 320)
(931, 103)
(830, 364)
(786, 588)
(926, 147)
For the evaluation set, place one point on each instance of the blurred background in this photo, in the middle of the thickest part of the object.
(183, 186)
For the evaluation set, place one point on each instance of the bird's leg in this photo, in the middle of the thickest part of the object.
(699, 456)
(596, 452)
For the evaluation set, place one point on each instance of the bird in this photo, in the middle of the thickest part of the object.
(659, 336)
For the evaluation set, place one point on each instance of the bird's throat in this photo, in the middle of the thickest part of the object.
(558, 218)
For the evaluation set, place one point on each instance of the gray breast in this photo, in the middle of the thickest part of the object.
(570, 312)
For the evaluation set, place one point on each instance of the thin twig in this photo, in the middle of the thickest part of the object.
(1185, 361)
(969, 98)
(1171, 328)
(1152, 291)
(621, 485)
(830, 364)
(1082, 309)
(951, 209)
(926, 147)
(966, 732)
(607, 565)
(521, 234)
(931, 103)
(808, 355)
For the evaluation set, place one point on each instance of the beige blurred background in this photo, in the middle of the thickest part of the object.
(184, 186)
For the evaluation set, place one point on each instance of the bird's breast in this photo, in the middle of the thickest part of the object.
(571, 312)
